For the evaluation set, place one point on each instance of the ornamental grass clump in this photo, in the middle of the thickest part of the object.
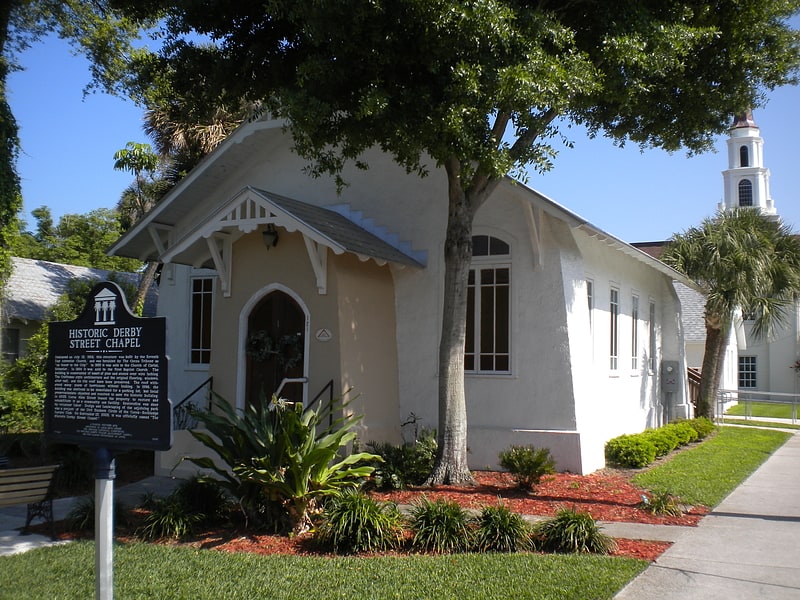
(572, 531)
(662, 503)
(169, 518)
(527, 465)
(352, 522)
(498, 529)
(440, 526)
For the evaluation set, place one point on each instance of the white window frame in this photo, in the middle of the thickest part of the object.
(475, 355)
(635, 331)
(613, 312)
(200, 356)
(749, 375)
(651, 326)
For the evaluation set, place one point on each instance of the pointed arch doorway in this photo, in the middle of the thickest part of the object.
(275, 348)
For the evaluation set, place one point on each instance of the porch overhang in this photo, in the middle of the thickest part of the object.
(209, 241)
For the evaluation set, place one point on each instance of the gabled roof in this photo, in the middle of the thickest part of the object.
(35, 285)
(577, 222)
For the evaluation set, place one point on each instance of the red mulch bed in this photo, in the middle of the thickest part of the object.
(606, 495)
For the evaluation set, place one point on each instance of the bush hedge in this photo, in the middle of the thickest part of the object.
(640, 449)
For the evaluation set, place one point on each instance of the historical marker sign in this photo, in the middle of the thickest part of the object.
(107, 384)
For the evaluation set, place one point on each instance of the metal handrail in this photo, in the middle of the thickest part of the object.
(181, 414)
(286, 380)
(750, 396)
(329, 387)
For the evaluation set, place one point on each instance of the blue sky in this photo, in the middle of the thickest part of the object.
(68, 144)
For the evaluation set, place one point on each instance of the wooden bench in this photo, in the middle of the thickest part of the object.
(32, 486)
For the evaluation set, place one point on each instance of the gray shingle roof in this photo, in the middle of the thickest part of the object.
(35, 285)
(345, 233)
(693, 305)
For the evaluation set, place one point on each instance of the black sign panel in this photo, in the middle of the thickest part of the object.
(107, 377)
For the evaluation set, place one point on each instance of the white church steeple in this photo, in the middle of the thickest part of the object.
(746, 180)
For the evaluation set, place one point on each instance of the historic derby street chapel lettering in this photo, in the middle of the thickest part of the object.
(108, 377)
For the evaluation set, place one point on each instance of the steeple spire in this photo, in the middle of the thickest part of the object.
(746, 180)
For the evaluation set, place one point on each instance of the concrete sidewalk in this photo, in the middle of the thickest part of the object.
(747, 548)
(12, 518)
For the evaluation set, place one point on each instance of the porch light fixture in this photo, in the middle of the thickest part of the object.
(270, 236)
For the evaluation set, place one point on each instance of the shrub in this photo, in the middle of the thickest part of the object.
(404, 465)
(76, 473)
(280, 454)
(169, 518)
(573, 531)
(204, 496)
(20, 411)
(684, 432)
(703, 426)
(440, 526)
(353, 522)
(662, 503)
(664, 440)
(501, 530)
(630, 451)
(527, 464)
(81, 516)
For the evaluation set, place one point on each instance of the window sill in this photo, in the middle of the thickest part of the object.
(481, 375)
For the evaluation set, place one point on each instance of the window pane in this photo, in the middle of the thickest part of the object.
(470, 342)
(502, 320)
(487, 320)
(480, 245)
(498, 247)
(745, 193)
(200, 320)
(488, 323)
(614, 325)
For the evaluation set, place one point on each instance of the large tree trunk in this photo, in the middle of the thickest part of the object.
(464, 200)
(717, 333)
(148, 277)
(451, 461)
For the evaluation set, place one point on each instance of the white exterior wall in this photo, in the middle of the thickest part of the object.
(559, 393)
(775, 357)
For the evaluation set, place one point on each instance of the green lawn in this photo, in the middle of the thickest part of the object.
(709, 472)
(755, 423)
(761, 409)
(704, 474)
(164, 572)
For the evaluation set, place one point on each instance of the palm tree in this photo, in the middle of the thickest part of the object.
(744, 261)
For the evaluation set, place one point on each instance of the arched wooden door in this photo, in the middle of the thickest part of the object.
(275, 347)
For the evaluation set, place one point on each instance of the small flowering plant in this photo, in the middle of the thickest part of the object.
(796, 366)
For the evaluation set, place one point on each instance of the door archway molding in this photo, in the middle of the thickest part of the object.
(244, 315)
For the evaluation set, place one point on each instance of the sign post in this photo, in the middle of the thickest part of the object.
(107, 390)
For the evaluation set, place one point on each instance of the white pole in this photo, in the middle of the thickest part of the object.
(104, 525)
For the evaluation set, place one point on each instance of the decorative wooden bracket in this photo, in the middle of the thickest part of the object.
(318, 254)
(534, 215)
(220, 246)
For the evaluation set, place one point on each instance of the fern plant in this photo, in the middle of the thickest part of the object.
(527, 464)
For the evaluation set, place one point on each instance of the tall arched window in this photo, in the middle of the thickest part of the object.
(745, 193)
(744, 157)
(489, 307)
